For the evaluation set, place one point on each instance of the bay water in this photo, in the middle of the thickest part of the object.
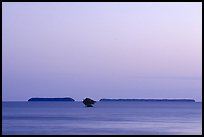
(105, 118)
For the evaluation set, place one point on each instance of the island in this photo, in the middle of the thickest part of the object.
(89, 102)
(151, 100)
(52, 99)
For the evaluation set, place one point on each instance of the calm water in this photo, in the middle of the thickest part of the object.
(104, 118)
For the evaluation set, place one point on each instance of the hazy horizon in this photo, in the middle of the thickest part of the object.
(103, 98)
(102, 50)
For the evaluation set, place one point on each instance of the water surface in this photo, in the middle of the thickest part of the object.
(139, 118)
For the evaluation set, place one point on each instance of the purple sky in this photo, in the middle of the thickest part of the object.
(102, 50)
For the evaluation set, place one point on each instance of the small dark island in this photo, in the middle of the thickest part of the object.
(52, 99)
(88, 102)
(151, 100)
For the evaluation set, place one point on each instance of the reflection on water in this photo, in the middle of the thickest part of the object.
(104, 118)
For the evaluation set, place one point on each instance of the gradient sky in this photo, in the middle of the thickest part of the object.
(101, 50)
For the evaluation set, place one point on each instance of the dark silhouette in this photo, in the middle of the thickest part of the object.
(151, 100)
(51, 99)
(88, 102)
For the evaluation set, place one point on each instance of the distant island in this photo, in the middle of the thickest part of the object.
(151, 100)
(115, 100)
(52, 99)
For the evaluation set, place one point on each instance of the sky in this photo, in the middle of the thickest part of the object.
(101, 50)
